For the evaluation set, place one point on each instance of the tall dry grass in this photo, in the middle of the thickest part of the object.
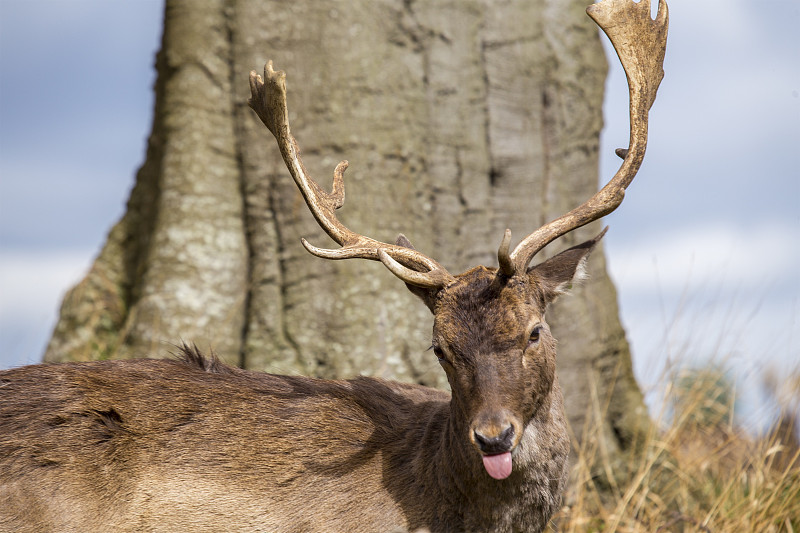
(698, 472)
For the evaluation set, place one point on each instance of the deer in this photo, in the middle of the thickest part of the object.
(190, 444)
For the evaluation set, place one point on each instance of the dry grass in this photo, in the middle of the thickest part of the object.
(698, 473)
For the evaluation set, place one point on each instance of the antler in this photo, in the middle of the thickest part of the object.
(268, 100)
(640, 43)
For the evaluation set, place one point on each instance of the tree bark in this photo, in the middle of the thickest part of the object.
(459, 119)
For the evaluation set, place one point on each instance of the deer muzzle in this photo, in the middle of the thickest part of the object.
(496, 437)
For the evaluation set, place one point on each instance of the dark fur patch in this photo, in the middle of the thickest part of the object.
(192, 356)
(109, 425)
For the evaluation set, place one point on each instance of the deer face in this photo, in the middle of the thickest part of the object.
(491, 339)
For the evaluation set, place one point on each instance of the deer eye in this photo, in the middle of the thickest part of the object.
(441, 357)
(438, 353)
(535, 334)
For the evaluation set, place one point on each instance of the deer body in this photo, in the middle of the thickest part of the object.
(194, 445)
(159, 445)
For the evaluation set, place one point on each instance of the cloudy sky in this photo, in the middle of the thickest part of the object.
(705, 251)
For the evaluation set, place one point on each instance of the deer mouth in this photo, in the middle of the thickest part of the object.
(499, 465)
(495, 448)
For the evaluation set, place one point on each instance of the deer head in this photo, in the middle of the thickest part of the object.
(489, 331)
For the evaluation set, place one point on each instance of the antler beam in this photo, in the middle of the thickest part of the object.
(640, 43)
(268, 100)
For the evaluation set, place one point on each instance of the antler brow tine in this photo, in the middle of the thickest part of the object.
(268, 100)
(640, 43)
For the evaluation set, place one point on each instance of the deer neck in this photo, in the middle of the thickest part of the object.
(455, 474)
(448, 470)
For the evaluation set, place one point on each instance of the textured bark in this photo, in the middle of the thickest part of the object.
(175, 267)
(459, 119)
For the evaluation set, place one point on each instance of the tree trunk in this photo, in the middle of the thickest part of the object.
(459, 119)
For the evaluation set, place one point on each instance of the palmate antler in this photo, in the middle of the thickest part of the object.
(640, 43)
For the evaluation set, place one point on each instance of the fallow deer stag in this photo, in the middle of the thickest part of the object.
(193, 445)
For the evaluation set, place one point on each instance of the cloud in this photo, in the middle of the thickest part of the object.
(32, 285)
(33, 282)
(691, 258)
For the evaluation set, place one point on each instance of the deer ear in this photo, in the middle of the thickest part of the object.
(428, 296)
(557, 275)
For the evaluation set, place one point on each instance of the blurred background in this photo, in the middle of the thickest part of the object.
(705, 253)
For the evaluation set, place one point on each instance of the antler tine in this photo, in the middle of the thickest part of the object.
(268, 100)
(640, 43)
(504, 255)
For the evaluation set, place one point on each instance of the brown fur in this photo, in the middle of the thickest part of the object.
(194, 445)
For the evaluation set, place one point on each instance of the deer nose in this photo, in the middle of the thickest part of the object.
(493, 445)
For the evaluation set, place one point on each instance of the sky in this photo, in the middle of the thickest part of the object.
(705, 251)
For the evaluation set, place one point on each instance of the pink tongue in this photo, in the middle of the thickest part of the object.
(498, 466)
